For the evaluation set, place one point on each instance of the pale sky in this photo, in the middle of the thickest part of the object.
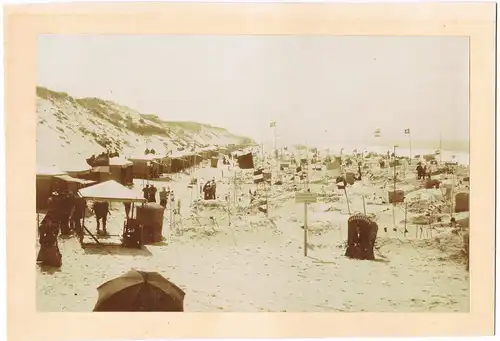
(319, 89)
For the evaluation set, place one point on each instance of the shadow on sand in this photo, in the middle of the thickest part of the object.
(317, 260)
(118, 250)
(49, 270)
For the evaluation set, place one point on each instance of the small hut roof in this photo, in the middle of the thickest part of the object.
(79, 166)
(110, 191)
(119, 161)
(48, 171)
(149, 157)
(68, 178)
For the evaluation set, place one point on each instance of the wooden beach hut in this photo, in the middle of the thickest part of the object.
(145, 166)
(121, 170)
(80, 169)
(67, 183)
(45, 184)
(178, 161)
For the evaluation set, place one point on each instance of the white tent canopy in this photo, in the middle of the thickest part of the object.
(110, 191)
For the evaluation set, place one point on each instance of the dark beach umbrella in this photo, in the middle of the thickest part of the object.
(140, 291)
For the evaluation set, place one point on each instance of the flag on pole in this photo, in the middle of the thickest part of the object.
(407, 131)
(272, 124)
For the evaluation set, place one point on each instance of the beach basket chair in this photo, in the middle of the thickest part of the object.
(361, 237)
(461, 202)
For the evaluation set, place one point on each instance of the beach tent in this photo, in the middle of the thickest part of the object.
(99, 174)
(144, 166)
(121, 170)
(178, 161)
(45, 184)
(245, 161)
(70, 184)
(110, 191)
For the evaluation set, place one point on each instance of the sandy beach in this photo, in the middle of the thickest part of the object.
(243, 260)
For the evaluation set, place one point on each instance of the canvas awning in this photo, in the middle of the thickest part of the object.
(178, 155)
(119, 161)
(100, 169)
(110, 191)
(145, 158)
(68, 178)
(77, 167)
(48, 171)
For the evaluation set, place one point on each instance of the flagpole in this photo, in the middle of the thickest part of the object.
(409, 137)
(275, 149)
(440, 147)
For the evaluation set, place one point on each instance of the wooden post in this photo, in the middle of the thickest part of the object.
(452, 190)
(364, 204)
(234, 184)
(305, 229)
(406, 215)
(228, 200)
(347, 200)
(394, 194)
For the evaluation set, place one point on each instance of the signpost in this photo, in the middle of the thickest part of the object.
(305, 198)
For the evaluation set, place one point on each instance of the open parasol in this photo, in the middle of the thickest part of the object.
(140, 291)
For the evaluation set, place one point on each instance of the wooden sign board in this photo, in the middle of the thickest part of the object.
(306, 198)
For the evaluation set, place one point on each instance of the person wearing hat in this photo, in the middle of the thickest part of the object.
(163, 197)
(152, 193)
(101, 210)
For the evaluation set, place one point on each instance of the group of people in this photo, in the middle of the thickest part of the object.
(64, 214)
(66, 210)
(425, 171)
(209, 190)
(150, 194)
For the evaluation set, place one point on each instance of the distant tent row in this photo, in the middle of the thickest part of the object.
(103, 167)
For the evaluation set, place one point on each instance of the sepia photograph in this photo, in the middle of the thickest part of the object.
(225, 173)
(252, 174)
(270, 170)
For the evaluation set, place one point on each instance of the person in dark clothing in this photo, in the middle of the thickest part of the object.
(77, 215)
(101, 210)
(163, 197)
(152, 193)
(145, 192)
(420, 172)
(213, 189)
(65, 210)
(206, 191)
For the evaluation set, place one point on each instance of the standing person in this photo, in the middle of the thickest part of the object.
(163, 197)
(152, 193)
(145, 192)
(77, 215)
(213, 189)
(65, 211)
(101, 210)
